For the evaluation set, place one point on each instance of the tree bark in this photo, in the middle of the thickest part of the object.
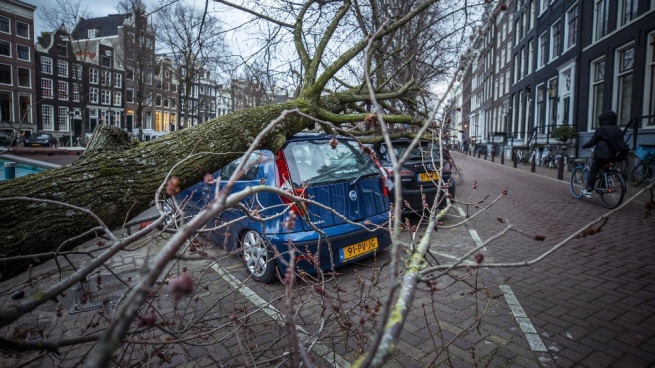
(118, 185)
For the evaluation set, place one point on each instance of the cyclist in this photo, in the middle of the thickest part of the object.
(607, 129)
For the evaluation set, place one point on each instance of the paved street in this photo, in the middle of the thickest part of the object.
(589, 304)
(592, 301)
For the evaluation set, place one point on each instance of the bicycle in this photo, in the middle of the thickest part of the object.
(609, 183)
(644, 170)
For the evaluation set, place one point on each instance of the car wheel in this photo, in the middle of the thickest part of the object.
(257, 257)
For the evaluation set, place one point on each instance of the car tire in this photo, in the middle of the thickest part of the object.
(258, 258)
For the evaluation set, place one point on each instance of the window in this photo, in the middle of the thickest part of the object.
(129, 95)
(92, 33)
(649, 106)
(5, 48)
(166, 102)
(106, 60)
(106, 78)
(627, 11)
(118, 80)
(597, 81)
(93, 76)
(76, 92)
(600, 18)
(24, 77)
(46, 114)
(22, 29)
(544, 6)
(62, 90)
(25, 107)
(6, 74)
(46, 65)
(63, 119)
(555, 40)
(118, 97)
(93, 95)
(148, 120)
(522, 68)
(533, 14)
(106, 97)
(543, 50)
(6, 106)
(158, 121)
(23, 52)
(571, 31)
(62, 68)
(129, 74)
(624, 84)
(158, 100)
(541, 108)
(530, 56)
(46, 88)
(4, 25)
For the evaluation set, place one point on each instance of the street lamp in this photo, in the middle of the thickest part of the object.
(71, 114)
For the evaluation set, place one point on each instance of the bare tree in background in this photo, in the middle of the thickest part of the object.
(195, 39)
(63, 13)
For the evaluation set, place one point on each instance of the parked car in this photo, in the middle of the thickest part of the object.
(40, 140)
(340, 177)
(419, 174)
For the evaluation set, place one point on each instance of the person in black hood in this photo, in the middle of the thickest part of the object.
(606, 130)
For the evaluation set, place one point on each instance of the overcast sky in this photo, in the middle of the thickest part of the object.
(101, 8)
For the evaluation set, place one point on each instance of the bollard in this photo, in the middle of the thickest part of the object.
(478, 154)
(560, 167)
(515, 159)
(502, 159)
(485, 156)
(10, 170)
(533, 164)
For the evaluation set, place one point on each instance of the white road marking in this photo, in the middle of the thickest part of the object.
(522, 319)
(332, 357)
(535, 342)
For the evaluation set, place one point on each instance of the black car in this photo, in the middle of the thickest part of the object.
(40, 140)
(420, 173)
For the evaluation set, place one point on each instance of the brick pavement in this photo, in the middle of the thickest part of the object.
(591, 301)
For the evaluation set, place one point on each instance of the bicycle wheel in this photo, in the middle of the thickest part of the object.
(612, 189)
(578, 181)
(638, 174)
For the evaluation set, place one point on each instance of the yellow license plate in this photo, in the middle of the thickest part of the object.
(428, 176)
(356, 250)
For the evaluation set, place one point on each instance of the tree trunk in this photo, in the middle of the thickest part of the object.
(118, 185)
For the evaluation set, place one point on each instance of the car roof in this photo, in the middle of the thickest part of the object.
(304, 136)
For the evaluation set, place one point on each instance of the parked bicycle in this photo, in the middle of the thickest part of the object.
(643, 171)
(609, 183)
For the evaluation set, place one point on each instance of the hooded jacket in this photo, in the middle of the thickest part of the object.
(607, 130)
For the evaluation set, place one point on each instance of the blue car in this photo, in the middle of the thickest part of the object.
(351, 210)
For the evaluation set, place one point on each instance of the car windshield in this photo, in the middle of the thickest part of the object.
(424, 151)
(42, 136)
(315, 161)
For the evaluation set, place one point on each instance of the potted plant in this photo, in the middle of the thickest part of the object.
(564, 132)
